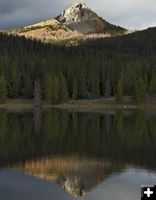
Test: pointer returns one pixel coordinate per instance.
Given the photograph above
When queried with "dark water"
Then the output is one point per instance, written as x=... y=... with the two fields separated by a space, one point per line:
x=102 y=155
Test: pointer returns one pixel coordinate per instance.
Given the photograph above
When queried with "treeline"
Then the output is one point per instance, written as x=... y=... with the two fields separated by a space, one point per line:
x=116 y=66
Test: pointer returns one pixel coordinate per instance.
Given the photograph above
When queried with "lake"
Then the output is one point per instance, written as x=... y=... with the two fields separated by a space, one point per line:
x=69 y=155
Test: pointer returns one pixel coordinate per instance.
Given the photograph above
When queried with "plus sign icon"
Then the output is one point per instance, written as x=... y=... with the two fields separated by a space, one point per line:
x=148 y=192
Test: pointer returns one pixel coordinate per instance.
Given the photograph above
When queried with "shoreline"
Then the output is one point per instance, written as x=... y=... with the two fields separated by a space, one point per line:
x=76 y=106
x=103 y=106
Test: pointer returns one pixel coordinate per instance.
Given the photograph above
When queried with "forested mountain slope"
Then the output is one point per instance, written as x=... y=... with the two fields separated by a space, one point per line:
x=95 y=68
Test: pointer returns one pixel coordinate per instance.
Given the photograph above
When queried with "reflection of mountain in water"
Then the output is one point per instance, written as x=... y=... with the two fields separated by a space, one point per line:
x=116 y=136
x=76 y=175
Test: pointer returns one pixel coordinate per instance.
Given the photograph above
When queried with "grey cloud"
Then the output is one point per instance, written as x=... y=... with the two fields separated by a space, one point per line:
x=134 y=14
x=16 y=13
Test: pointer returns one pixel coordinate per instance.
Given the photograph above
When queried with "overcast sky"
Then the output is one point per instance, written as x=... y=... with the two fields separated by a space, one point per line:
x=132 y=14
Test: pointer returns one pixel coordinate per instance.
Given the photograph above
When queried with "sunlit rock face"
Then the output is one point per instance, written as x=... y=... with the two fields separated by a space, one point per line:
x=75 y=175
x=73 y=185
x=81 y=18
x=76 y=13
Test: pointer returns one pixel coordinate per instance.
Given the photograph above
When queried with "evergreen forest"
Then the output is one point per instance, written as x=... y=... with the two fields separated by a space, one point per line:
x=118 y=66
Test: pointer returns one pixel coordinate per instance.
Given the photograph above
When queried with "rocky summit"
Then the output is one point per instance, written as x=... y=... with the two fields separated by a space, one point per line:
x=81 y=18
x=76 y=13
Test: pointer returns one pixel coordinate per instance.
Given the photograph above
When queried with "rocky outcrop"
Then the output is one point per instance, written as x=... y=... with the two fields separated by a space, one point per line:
x=76 y=13
x=81 y=18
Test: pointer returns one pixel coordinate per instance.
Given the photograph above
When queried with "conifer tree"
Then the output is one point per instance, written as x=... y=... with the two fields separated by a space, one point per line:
x=52 y=89
x=139 y=90
x=48 y=88
x=63 y=89
x=93 y=81
x=153 y=86
x=3 y=89
x=119 y=92
x=82 y=91
x=28 y=88
x=13 y=87
x=37 y=92
x=75 y=89
x=97 y=88
x=55 y=90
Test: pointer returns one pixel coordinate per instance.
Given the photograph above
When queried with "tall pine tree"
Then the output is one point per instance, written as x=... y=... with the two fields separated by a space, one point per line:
x=63 y=89
x=52 y=89
x=13 y=85
x=75 y=89
x=37 y=92
x=153 y=86
x=119 y=92
x=139 y=90
x=28 y=88
x=3 y=89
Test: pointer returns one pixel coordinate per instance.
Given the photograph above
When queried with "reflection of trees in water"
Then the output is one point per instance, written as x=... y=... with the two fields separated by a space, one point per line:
x=37 y=119
x=128 y=137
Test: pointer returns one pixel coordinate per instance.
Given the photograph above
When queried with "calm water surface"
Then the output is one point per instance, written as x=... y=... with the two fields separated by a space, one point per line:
x=63 y=155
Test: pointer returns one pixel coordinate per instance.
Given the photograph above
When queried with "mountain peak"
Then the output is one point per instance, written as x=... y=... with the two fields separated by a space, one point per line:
x=77 y=21
x=74 y=13
x=81 y=18
x=79 y=4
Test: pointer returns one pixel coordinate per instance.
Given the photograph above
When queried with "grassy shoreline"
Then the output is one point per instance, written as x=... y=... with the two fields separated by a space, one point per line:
x=76 y=106
x=102 y=106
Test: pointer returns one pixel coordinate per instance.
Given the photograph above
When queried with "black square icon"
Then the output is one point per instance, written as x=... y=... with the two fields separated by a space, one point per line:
x=148 y=192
